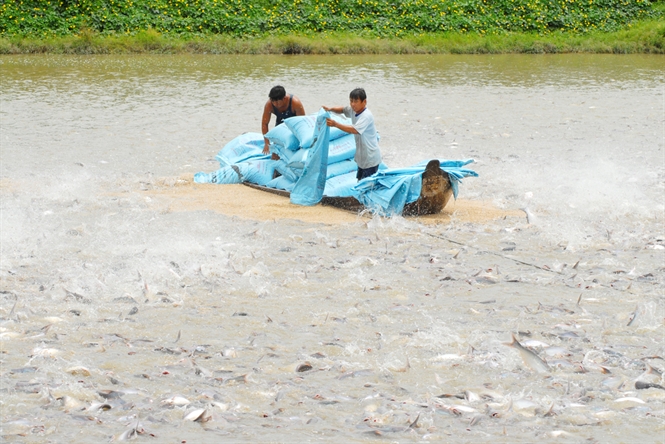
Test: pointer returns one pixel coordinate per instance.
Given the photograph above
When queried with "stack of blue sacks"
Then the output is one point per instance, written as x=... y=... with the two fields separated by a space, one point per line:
x=242 y=159
x=316 y=160
x=292 y=142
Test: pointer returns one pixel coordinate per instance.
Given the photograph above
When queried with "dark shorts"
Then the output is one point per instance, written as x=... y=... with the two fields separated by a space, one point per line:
x=366 y=172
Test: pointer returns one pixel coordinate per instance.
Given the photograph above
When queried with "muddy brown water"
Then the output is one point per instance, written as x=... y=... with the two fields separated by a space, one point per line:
x=134 y=302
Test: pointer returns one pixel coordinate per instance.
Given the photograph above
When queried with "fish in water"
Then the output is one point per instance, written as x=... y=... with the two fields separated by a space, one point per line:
x=641 y=385
x=198 y=415
x=530 y=218
x=132 y=432
x=532 y=360
x=633 y=316
x=176 y=400
x=651 y=378
x=380 y=430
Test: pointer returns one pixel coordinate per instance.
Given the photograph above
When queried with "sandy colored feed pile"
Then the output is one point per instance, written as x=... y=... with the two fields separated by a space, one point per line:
x=239 y=200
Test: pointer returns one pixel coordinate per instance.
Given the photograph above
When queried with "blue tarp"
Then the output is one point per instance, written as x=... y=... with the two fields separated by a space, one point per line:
x=387 y=191
x=309 y=188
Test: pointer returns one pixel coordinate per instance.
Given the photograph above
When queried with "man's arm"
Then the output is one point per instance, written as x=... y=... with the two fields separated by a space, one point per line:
x=265 y=120
x=346 y=128
x=297 y=106
x=330 y=122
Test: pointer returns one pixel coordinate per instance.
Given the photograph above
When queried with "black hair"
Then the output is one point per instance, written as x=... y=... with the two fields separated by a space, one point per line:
x=277 y=93
x=359 y=94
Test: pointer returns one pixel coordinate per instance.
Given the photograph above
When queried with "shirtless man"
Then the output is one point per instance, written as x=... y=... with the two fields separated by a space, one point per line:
x=282 y=105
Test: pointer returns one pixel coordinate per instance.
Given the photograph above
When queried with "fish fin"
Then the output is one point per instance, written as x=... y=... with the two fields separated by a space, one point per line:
x=513 y=341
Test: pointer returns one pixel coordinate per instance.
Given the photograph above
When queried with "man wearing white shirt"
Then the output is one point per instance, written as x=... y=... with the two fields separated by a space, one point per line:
x=368 y=154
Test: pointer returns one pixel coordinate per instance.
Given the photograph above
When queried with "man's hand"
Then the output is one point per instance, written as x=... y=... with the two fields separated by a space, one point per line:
x=346 y=128
x=334 y=109
x=266 y=147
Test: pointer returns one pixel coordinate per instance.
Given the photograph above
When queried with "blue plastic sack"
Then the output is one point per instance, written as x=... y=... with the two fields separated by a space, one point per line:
x=281 y=183
x=225 y=175
x=339 y=168
x=244 y=147
x=282 y=136
x=298 y=159
x=259 y=172
x=255 y=171
x=341 y=186
x=342 y=148
x=284 y=154
x=303 y=127
x=309 y=188
x=283 y=169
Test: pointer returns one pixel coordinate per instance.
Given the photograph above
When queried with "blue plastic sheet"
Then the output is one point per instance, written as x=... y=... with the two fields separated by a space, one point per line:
x=309 y=188
x=387 y=191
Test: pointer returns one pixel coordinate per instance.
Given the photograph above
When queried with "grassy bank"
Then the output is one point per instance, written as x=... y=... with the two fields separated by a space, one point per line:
x=645 y=37
x=332 y=26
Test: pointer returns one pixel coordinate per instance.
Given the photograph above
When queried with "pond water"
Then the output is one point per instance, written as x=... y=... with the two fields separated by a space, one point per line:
x=121 y=316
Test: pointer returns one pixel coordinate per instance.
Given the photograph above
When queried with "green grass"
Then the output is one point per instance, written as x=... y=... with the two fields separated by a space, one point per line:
x=644 y=37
